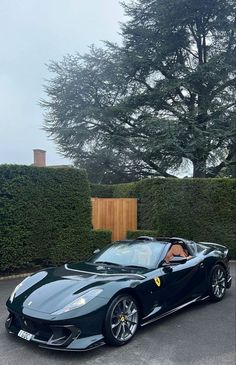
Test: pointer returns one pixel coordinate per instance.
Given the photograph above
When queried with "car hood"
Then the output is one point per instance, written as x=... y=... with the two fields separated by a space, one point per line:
x=50 y=290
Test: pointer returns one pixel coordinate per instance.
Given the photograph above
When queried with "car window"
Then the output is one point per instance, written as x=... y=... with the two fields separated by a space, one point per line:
x=143 y=254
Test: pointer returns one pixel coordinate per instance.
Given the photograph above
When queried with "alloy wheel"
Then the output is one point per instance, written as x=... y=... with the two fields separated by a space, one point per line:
x=124 y=319
x=218 y=284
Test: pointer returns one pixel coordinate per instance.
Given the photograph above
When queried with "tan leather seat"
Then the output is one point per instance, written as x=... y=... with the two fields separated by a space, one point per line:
x=176 y=250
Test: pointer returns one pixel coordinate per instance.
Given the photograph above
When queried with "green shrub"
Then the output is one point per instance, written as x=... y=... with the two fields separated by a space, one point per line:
x=141 y=232
x=113 y=191
x=42 y=209
x=73 y=248
x=100 y=238
x=198 y=209
x=101 y=191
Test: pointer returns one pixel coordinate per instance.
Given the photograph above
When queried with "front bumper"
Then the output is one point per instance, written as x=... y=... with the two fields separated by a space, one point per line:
x=64 y=337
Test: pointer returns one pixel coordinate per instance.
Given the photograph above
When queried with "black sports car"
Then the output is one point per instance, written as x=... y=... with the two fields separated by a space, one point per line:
x=105 y=299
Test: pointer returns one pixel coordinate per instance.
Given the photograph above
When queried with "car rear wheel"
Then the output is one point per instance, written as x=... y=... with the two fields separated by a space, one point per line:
x=122 y=320
x=217 y=283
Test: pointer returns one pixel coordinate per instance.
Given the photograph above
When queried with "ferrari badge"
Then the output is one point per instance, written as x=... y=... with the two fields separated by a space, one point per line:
x=157 y=281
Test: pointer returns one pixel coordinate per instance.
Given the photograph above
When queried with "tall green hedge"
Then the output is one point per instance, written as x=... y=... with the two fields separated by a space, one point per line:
x=73 y=247
x=45 y=216
x=199 y=209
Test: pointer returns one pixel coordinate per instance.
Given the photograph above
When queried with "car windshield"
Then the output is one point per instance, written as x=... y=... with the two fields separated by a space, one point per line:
x=140 y=254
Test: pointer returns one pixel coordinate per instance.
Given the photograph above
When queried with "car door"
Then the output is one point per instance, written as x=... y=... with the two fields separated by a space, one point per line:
x=183 y=282
x=150 y=292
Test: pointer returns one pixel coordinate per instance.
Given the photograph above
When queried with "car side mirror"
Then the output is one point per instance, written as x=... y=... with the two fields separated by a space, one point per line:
x=178 y=260
x=165 y=266
x=96 y=251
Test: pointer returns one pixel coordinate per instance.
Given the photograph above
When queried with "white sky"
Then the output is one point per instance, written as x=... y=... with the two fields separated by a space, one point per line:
x=33 y=32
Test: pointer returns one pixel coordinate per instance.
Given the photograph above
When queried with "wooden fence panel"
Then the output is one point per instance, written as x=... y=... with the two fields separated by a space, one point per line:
x=118 y=215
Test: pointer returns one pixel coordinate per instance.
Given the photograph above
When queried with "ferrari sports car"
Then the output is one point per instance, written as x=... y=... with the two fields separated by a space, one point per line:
x=130 y=283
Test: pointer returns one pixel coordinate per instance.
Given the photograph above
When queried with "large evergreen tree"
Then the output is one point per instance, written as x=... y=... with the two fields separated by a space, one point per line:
x=167 y=95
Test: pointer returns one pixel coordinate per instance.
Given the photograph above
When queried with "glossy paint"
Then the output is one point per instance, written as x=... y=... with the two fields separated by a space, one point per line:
x=158 y=291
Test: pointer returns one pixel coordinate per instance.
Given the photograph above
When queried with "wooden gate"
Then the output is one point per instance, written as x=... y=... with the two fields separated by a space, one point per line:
x=118 y=215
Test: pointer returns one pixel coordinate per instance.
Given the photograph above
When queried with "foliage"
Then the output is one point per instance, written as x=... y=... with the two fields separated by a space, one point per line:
x=113 y=190
x=45 y=216
x=72 y=247
x=141 y=232
x=102 y=190
x=198 y=209
x=166 y=96
x=100 y=238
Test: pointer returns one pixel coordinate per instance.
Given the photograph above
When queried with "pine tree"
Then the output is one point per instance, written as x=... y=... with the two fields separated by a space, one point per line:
x=167 y=95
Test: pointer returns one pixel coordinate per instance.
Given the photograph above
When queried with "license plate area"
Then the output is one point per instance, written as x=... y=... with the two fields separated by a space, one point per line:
x=25 y=335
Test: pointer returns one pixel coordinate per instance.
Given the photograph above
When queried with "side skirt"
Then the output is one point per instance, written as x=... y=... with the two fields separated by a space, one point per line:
x=198 y=299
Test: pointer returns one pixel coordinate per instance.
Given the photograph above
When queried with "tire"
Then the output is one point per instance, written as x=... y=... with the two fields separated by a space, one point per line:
x=122 y=320
x=217 y=286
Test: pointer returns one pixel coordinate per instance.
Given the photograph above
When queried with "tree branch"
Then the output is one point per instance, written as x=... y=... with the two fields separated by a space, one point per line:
x=144 y=83
x=230 y=82
x=229 y=161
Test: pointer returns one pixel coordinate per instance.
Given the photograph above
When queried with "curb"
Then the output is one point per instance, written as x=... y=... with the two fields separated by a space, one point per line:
x=30 y=273
x=15 y=276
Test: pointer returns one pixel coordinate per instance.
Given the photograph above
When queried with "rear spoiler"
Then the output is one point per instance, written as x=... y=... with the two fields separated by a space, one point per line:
x=216 y=246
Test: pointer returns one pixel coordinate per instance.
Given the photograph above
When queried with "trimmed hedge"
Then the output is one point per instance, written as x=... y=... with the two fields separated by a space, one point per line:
x=100 y=238
x=75 y=248
x=45 y=217
x=102 y=191
x=198 y=209
x=131 y=235
x=127 y=190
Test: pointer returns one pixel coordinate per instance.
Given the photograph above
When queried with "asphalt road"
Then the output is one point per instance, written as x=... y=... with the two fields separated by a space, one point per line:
x=203 y=334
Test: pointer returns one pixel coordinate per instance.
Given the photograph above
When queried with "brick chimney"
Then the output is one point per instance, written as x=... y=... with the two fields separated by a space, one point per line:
x=39 y=158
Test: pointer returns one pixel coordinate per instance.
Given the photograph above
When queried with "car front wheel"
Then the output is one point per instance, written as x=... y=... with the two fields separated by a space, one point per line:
x=121 y=320
x=217 y=283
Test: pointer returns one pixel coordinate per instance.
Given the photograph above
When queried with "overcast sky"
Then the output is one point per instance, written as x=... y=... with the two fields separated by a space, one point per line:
x=33 y=32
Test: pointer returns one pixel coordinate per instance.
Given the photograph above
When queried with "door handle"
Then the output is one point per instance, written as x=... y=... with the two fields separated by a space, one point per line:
x=167 y=269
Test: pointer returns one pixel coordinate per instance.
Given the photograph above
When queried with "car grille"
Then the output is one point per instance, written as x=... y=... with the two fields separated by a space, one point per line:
x=54 y=335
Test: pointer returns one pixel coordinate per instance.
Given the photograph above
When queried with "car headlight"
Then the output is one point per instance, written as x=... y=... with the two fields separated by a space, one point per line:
x=80 y=301
x=12 y=296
